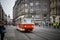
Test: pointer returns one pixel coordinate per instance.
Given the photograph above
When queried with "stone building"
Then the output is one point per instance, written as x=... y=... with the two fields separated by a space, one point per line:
x=38 y=8
x=3 y=16
x=54 y=11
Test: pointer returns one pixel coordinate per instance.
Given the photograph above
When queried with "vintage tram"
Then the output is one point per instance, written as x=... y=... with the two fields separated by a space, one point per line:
x=25 y=23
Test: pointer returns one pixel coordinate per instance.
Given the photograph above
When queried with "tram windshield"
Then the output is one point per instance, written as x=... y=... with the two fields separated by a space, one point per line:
x=28 y=20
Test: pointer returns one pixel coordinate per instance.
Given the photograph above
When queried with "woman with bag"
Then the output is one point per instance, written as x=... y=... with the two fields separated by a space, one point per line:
x=2 y=30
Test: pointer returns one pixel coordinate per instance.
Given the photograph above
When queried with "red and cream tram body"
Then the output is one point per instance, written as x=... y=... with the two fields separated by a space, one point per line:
x=25 y=23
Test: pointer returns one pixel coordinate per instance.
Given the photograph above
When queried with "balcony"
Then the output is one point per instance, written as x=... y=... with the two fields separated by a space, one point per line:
x=51 y=0
x=52 y=5
x=55 y=4
x=58 y=4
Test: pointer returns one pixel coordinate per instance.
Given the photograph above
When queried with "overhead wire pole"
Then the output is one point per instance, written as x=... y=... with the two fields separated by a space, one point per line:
x=49 y=15
x=28 y=13
x=24 y=6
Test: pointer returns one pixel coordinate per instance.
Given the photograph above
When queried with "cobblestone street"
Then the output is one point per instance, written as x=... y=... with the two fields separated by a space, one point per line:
x=38 y=33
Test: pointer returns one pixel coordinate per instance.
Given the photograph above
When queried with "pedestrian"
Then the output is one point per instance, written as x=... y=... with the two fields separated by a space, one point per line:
x=2 y=30
x=39 y=24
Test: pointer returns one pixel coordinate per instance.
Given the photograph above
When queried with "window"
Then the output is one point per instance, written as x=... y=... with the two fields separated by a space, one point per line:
x=37 y=3
x=37 y=9
x=31 y=4
x=45 y=15
x=37 y=16
x=45 y=3
x=31 y=10
x=26 y=10
x=26 y=5
x=27 y=20
x=44 y=9
x=26 y=0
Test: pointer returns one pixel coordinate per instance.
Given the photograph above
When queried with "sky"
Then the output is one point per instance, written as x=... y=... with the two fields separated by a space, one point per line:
x=8 y=7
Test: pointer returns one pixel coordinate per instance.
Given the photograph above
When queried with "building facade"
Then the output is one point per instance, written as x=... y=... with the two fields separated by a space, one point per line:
x=3 y=16
x=8 y=20
x=38 y=8
x=54 y=11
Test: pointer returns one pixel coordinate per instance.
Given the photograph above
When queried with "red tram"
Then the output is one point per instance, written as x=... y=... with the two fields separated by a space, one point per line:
x=25 y=23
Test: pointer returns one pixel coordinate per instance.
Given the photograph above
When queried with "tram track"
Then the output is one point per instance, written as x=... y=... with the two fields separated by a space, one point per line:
x=49 y=33
x=46 y=36
x=52 y=31
x=28 y=37
x=40 y=36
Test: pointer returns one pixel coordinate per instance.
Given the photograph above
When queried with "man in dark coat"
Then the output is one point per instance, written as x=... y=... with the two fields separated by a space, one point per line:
x=1 y=28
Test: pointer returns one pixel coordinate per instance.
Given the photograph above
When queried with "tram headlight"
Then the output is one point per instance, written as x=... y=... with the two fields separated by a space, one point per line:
x=25 y=26
x=31 y=26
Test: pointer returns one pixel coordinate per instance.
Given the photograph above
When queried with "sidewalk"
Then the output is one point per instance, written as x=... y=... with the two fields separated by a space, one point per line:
x=10 y=35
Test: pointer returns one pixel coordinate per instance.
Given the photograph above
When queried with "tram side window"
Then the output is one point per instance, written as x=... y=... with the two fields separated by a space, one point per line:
x=20 y=19
x=32 y=20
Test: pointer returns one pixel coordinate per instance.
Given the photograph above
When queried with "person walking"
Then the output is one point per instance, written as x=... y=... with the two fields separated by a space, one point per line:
x=2 y=30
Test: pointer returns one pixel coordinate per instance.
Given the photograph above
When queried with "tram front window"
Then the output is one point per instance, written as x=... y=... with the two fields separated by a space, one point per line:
x=27 y=20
